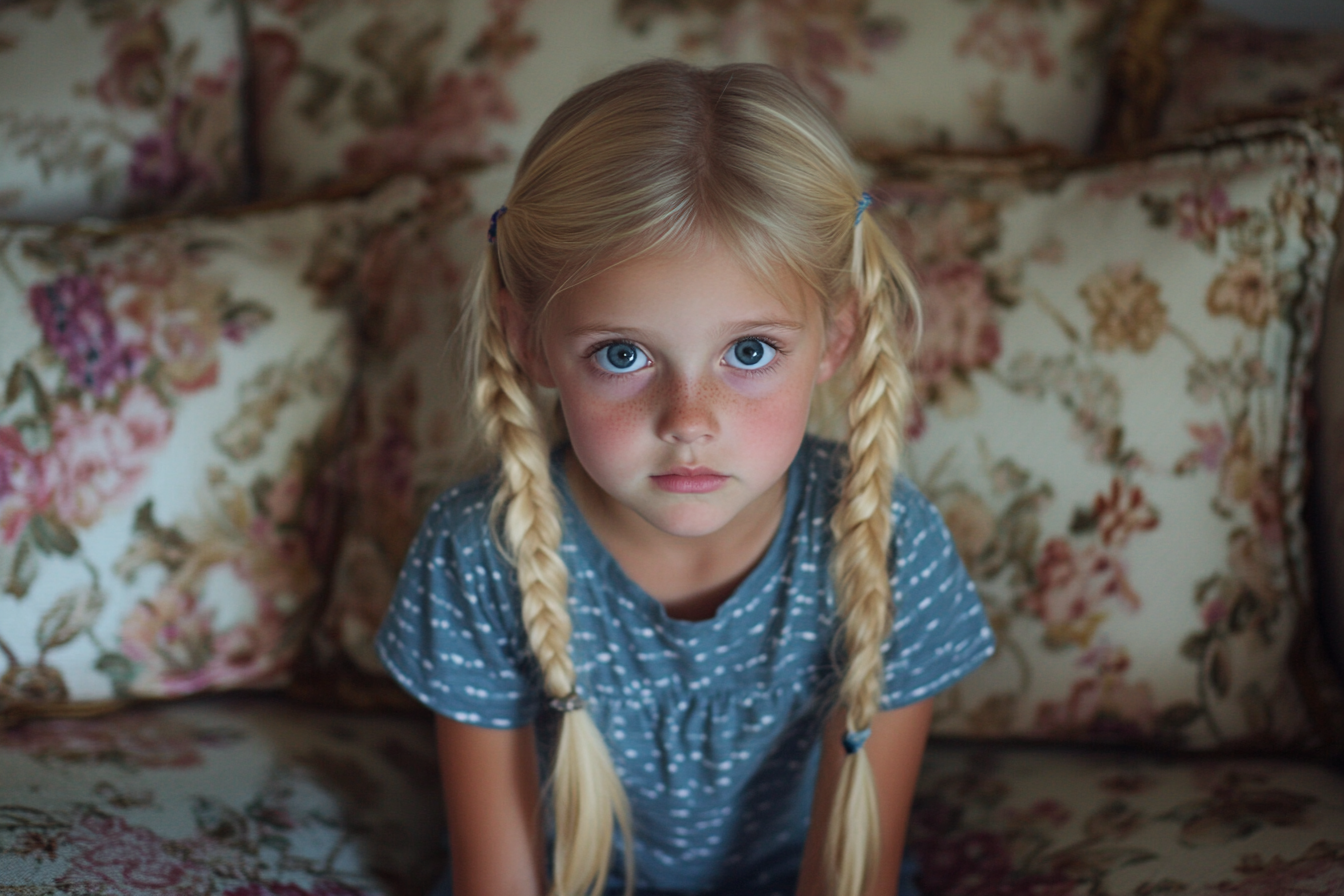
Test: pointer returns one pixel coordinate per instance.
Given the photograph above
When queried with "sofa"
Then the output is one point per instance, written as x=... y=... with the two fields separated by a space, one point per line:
x=231 y=235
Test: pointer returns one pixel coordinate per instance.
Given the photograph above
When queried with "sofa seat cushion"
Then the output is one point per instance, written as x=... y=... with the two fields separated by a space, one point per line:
x=1054 y=821
x=236 y=795
x=250 y=795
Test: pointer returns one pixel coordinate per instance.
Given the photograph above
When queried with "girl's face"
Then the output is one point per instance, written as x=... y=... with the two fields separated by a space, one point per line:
x=685 y=384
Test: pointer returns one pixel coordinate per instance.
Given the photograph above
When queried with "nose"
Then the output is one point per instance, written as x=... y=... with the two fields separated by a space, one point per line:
x=688 y=413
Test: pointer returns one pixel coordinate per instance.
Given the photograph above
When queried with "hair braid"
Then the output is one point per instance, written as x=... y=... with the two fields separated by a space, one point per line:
x=861 y=528
x=586 y=792
x=526 y=498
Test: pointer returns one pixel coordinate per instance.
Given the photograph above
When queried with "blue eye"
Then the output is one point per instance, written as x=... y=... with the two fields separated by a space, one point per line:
x=750 y=354
x=620 y=357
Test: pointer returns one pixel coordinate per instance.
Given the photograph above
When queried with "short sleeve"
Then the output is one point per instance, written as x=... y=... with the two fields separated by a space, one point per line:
x=940 y=632
x=453 y=636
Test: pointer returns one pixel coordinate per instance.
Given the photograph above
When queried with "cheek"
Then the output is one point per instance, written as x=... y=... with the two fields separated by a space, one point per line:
x=773 y=422
x=600 y=429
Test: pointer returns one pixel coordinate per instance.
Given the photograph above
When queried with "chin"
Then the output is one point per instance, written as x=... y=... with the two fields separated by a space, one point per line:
x=688 y=522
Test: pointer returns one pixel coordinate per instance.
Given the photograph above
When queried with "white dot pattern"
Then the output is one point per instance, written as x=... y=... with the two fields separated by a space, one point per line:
x=713 y=725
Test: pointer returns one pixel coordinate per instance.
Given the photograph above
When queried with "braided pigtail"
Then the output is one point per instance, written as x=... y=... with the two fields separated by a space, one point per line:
x=861 y=528
x=585 y=790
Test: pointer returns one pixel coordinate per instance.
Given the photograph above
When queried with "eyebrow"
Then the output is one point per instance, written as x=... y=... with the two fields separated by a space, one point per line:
x=740 y=326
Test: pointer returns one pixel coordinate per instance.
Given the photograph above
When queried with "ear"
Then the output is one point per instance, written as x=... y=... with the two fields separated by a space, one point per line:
x=839 y=337
x=521 y=344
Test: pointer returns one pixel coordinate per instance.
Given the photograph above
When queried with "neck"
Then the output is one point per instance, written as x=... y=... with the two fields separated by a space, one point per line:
x=690 y=576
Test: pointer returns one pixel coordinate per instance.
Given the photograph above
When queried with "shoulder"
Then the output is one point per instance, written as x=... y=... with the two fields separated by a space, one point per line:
x=941 y=632
x=911 y=511
x=453 y=635
x=458 y=518
x=921 y=548
x=924 y=555
x=464 y=505
x=454 y=565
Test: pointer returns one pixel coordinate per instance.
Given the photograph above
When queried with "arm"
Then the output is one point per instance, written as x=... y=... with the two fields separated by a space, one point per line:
x=895 y=750
x=491 y=795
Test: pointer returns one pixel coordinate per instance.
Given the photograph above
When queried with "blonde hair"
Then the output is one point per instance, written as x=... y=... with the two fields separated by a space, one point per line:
x=645 y=160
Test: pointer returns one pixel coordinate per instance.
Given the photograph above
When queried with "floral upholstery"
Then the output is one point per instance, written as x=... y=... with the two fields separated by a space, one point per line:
x=244 y=796
x=1113 y=370
x=171 y=395
x=1225 y=67
x=1035 y=821
x=218 y=434
x=363 y=90
x=125 y=108
x=241 y=796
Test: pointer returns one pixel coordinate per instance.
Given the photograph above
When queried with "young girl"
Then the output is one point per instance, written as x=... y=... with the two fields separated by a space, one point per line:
x=690 y=620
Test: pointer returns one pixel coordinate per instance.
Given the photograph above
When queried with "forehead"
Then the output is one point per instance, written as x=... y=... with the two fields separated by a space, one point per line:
x=704 y=283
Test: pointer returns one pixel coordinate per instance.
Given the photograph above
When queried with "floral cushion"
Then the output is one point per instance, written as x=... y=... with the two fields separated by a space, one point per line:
x=363 y=90
x=1039 y=821
x=118 y=108
x=1112 y=372
x=171 y=393
x=245 y=796
x=226 y=796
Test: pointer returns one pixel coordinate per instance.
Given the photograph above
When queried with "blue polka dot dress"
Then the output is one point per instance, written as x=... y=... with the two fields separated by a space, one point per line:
x=713 y=725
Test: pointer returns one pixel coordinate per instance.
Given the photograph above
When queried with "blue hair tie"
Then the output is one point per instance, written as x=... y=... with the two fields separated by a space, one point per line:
x=494 y=221
x=854 y=740
x=571 y=702
x=864 y=201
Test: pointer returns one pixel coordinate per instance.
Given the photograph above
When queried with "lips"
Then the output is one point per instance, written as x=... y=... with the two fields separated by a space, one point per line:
x=689 y=480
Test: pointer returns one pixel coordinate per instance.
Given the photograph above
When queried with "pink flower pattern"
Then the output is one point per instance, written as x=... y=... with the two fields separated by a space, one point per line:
x=1121 y=512
x=1010 y=36
x=98 y=457
x=178 y=650
x=1071 y=585
x=194 y=154
x=960 y=334
x=135 y=77
x=115 y=858
x=1200 y=214
x=158 y=165
x=25 y=487
x=450 y=130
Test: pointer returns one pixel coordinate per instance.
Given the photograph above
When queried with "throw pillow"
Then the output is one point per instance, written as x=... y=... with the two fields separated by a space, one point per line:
x=1113 y=369
x=172 y=391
